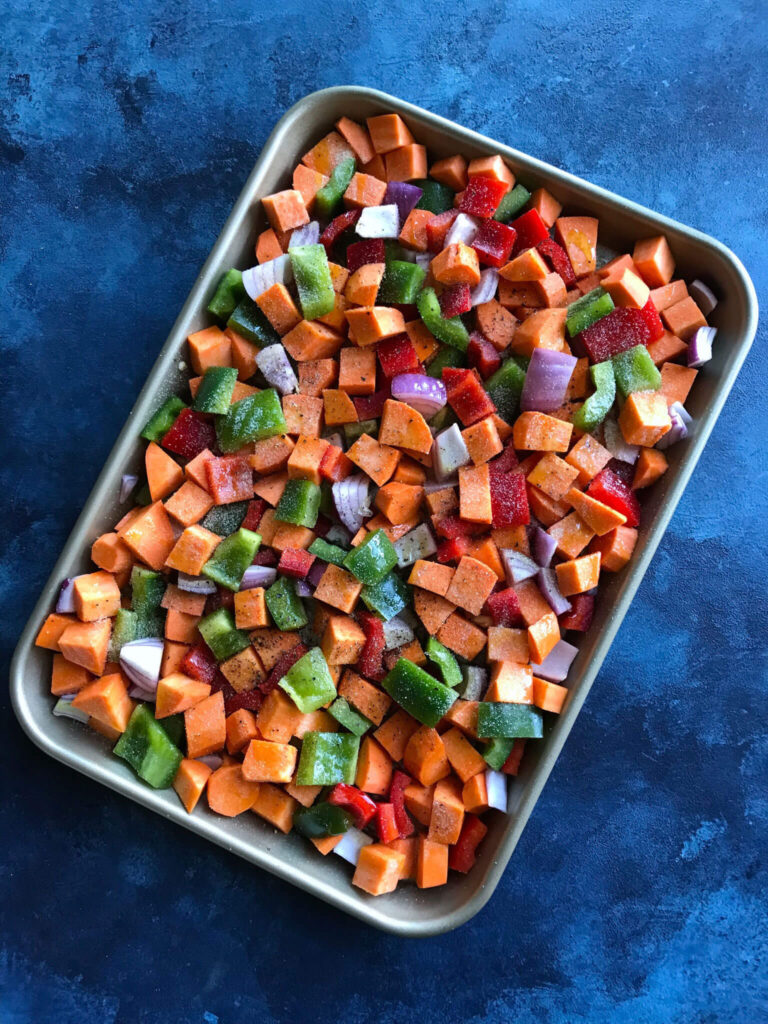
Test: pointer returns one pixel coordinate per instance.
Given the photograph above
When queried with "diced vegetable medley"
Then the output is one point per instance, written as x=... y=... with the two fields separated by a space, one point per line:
x=347 y=591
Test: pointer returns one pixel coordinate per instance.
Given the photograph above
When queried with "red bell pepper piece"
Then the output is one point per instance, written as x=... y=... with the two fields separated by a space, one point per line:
x=453 y=526
x=370 y=407
x=335 y=465
x=386 y=826
x=251 y=700
x=530 y=229
x=199 y=663
x=358 y=803
x=455 y=299
x=338 y=226
x=397 y=787
x=505 y=462
x=482 y=355
x=512 y=765
x=438 y=228
x=452 y=550
x=609 y=488
x=580 y=615
x=370 y=250
x=466 y=395
x=284 y=663
x=509 y=500
x=295 y=562
x=504 y=607
x=494 y=243
x=482 y=196
x=462 y=856
x=652 y=320
x=256 y=509
x=230 y=478
x=371 y=661
x=557 y=259
x=397 y=355
x=621 y=329
x=190 y=434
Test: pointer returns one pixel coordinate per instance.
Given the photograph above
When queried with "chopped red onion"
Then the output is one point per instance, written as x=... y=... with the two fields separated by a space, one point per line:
x=700 y=346
x=350 y=497
x=703 y=296
x=338 y=534
x=417 y=543
x=307 y=234
x=140 y=660
x=404 y=195
x=63 y=709
x=353 y=840
x=139 y=693
x=316 y=571
x=613 y=439
x=423 y=259
x=335 y=439
x=303 y=588
x=496 y=786
x=258 y=576
x=486 y=289
x=396 y=633
x=681 y=420
x=276 y=367
x=555 y=666
x=65 y=603
x=517 y=566
x=256 y=280
x=426 y=395
x=449 y=452
x=475 y=682
x=214 y=761
x=378 y=222
x=546 y=380
x=195 y=584
x=463 y=229
x=544 y=547
x=127 y=485
x=547 y=581
x=430 y=486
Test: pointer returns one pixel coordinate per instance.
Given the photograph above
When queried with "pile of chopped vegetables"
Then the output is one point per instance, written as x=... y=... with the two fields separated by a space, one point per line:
x=348 y=589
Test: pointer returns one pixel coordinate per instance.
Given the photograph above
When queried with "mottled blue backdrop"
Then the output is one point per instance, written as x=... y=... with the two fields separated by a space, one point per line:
x=638 y=891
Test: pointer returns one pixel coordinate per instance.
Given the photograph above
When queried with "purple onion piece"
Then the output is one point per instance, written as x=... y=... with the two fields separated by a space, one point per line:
x=557 y=663
x=449 y=452
x=616 y=445
x=257 y=279
x=141 y=660
x=213 y=761
x=430 y=486
x=127 y=485
x=303 y=588
x=546 y=380
x=258 y=576
x=138 y=693
x=547 y=580
x=486 y=289
x=276 y=367
x=463 y=229
x=65 y=603
x=350 y=497
x=404 y=195
x=426 y=395
x=517 y=566
x=315 y=574
x=195 y=584
x=307 y=234
x=681 y=420
x=544 y=547
x=700 y=346
x=703 y=296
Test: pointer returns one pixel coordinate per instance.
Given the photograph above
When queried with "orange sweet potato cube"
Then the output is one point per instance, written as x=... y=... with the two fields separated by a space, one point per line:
x=461 y=637
x=378 y=461
x=378 y=869
x=338 y=408
x=471 y=585
x=456 y=264
x=364 y=190
x=338 y=588
x=357 y=138
x=342 y=640
x=209 y=347
x=414 y=230
x=507 y=644
x=578 y=236
x=644 y=418
x=363 y=286
x=278 y=307
x=388 y=132
x=475 y=494
x=615 y=548
x=482 y=440
x=268 y=245
x=369 y=324
x=96 y=595
x=309 y=183
x=627 y=289
x=684 y=318
x=571 y=534
x=654 y=261
x=537 y=432
x=357 y=370
x=406 y=163
x=327 y=153
x=251 y=609
x=651 y=464
x=553 y=475
x=543 y=636
x=545 y=204
x=303 y=415
x=192 y=550
x=511 y=683
x=451 y=171
x=285 y=210
x=579 y=574
x=600 y=518
x=528 y=266
x=310 y=340
x=588 y=456
x=107 y=701
x=676 y=382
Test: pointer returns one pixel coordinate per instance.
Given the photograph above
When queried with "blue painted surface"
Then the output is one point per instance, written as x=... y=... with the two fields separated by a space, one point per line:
x=637 y=893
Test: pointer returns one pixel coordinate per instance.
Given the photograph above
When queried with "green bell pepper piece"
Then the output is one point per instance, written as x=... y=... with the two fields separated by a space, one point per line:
x=598 y=405
x=447 y=356
x=329 y=196
x=450 y=331
x=215 y=391
x=147 y=590
x=418 y=693
x=504 y=388
x=254 y=418
x=587 y=310
x=174 y=727
x=346 y=715
x=148 y=749
x=225 y=519
x=162 y=419
x=373 y=559
x=445 y=661
x=141 y=495
x=401 y=283
x=285 y=606
x=231 y=558
x=229 y=292
x=249 y=321
x=308 y=682
x=436 y=197
x=511 y=204
x=124 y=631
x=327 y=758
x=313 y=280
x=299 y=503
x=386 y=598
x=496 y=752
x=327 y=552
x=635 y=371
x=510 y=721
x=222 y=636
x=352 y=431
x=321 y=820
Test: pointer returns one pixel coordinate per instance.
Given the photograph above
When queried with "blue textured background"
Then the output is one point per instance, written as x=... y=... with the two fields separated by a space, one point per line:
x=638 y=891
